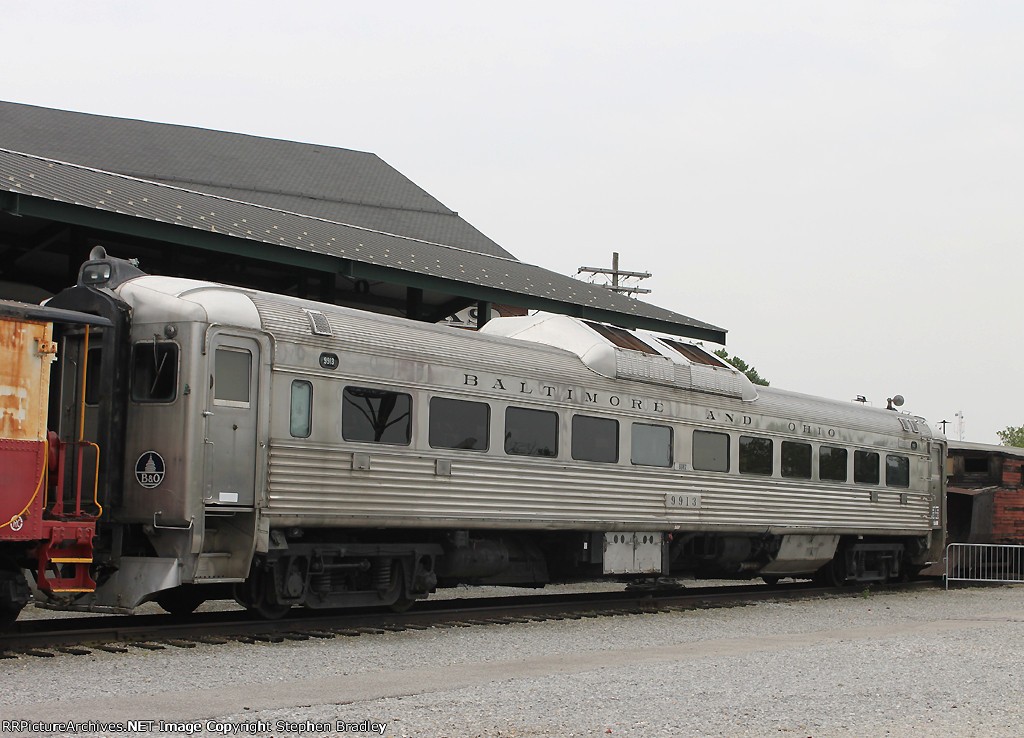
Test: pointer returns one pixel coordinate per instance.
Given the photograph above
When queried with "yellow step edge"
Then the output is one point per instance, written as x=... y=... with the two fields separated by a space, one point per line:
x=71 y=561
x=73 y=590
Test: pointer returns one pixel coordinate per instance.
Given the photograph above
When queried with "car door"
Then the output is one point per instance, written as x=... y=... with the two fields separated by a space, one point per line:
x=232 y=420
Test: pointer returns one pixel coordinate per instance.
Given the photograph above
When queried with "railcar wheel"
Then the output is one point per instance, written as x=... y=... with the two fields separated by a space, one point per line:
x=770 y=579
x=401 y=604
x=14 y=595
x=181 y=600
x=833 y=574
x=270 y=610
x=398 y=590
x=8 y=614
x=255 y=594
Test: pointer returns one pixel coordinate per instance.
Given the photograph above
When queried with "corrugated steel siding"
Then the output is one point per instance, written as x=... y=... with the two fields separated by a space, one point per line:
x=317 y=484
x=313 y=483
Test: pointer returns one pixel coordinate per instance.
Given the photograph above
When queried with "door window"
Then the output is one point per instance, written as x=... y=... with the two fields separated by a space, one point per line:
x=232 y=372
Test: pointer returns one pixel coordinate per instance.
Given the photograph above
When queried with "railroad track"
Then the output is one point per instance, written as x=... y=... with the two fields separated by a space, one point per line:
x=122 y=633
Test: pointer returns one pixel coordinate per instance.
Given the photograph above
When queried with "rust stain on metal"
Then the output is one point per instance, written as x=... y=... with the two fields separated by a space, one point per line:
x=24 y=379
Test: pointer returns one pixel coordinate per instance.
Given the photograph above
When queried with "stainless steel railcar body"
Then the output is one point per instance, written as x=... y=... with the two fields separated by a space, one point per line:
x=247 y=457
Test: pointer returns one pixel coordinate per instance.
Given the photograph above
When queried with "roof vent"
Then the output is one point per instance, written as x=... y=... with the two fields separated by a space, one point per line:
x=621 y=338
x=694 y=354
x=319 y=323
x=909 y=425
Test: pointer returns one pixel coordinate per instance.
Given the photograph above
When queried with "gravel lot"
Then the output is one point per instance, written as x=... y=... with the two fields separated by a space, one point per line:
x=931 y=663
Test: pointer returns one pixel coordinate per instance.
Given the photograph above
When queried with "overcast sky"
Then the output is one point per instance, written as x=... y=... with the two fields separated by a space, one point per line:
x=840 y=185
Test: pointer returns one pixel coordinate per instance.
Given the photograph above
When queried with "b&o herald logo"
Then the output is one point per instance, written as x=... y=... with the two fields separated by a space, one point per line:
x=149 y=469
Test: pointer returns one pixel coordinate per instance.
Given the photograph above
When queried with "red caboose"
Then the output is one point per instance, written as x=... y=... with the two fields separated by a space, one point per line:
x=48 y=488
x=986 y=494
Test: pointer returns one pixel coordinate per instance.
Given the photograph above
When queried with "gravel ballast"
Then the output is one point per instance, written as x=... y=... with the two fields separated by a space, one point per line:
x=914 y=664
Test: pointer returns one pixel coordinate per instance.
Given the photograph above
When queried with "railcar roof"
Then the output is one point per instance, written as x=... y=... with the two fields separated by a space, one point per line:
x=246 y=307
x=988 y=448
x=230 y=305
x=845 y=411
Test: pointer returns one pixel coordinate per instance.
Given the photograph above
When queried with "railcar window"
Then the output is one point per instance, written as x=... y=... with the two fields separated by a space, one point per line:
x=531 y=432
x=971 y=465
x=232 y=371
x=865 y=467
x=92 y=376
x=459 y=424
x=897 y=471
x=376 y=416
x=796 y=460
x=832 y=464
x=595 y=439
x=301 y=409
x=651 y=445
x=710 y=451
x=154 y=371
x=755 y=455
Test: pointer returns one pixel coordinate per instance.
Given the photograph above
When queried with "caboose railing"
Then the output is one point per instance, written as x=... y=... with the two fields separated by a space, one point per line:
x=984 y=562
x=65 y=552
x=63 y=498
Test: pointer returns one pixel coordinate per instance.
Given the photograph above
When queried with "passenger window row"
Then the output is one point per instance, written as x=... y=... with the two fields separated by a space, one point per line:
x=383 y=416
x=711 y=453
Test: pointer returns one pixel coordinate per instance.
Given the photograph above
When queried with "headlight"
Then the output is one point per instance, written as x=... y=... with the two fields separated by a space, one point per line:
x=94 y=274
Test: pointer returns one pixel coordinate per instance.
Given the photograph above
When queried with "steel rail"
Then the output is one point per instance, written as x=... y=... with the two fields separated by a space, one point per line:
x=50 y=636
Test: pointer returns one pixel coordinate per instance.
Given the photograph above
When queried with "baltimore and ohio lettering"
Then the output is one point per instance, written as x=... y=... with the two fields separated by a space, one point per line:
x=562 y=394
x=558 y=393
x=741 y=419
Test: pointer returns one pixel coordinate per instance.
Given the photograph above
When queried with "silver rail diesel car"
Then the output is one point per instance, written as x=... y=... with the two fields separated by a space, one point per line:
x=286 y=452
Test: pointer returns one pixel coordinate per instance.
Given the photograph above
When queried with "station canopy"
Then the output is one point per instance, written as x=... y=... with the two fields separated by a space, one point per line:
x=314 y=221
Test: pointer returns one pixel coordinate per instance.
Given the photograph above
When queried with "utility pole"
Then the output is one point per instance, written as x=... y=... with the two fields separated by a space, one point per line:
x=618 y=277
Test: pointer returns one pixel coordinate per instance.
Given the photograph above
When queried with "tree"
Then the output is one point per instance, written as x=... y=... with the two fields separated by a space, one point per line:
x=1012 y=436
x=740 y=364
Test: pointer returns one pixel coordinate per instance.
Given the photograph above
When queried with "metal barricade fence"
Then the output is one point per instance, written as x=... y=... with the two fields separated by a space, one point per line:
x=984 y=562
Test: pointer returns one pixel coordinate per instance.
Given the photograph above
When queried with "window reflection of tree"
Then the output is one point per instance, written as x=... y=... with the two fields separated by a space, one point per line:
x=377 y=407
x=865 y=467
x=796 y=460
x=755 y=455
x=458 y=424
x=530 y=433
x=897 y=471
x=832 y=463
